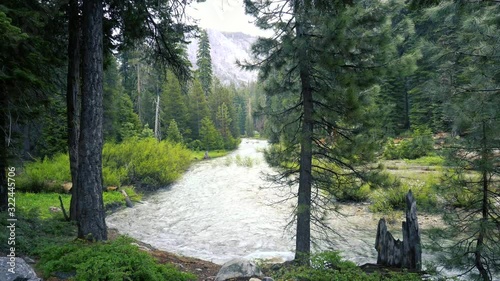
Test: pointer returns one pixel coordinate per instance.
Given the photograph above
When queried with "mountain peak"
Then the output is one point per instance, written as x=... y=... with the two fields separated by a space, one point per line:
x=226 y=49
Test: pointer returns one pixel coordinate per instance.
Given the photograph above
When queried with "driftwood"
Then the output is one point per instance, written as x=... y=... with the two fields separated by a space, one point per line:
x=406 y=253
x=128 y=202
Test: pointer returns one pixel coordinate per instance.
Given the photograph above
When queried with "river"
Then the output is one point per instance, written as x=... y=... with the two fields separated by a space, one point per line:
x=225 y=208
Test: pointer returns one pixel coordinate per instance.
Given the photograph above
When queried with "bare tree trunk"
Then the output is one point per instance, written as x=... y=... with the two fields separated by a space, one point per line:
x=478 y=253
x=303 y=237
x=90 y=207
x=139 y=105
x=157 y=118
x=72 y=98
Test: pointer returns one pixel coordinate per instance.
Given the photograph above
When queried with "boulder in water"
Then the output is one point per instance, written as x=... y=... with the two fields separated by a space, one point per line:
x=238 y=268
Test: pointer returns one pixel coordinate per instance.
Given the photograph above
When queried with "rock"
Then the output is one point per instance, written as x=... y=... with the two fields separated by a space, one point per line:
x=111 y=188
x=268 y=279
x=254 y=279
x=67 y=186
x=16 y=269
x=54 y=209
x=238 y=268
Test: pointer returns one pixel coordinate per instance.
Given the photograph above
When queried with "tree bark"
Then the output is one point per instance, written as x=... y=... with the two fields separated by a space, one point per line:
x=90 y=207
x=303 y=237
x=72 y=98
x=478 y=253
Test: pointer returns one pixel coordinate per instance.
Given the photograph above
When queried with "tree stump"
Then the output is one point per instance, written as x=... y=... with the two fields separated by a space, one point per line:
x=406 y=253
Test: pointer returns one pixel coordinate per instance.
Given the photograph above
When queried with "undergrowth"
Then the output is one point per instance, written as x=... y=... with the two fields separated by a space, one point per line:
x=117 y=260
x=329 y=266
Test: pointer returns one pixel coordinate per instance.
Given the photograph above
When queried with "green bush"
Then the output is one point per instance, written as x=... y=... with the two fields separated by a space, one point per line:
x=352 y=193
x=393 y=198
x=112 y=261
x=418 y=145
x=145 y=161
x=45 y=175
x=141 y=161
x=427 y=161
x=329 y=266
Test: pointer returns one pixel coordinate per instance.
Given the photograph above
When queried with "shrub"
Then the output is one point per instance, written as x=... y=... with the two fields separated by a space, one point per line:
x=45 y=175
x=418 y=145
x=146 y=162
x=329 y=266
x=112 y=261
x=393 y=198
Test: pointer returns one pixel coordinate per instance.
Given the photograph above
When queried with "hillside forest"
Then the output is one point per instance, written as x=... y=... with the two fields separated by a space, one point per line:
x=100 y=95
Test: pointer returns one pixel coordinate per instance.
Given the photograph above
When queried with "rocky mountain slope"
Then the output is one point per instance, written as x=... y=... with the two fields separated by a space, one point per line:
x=226 y=48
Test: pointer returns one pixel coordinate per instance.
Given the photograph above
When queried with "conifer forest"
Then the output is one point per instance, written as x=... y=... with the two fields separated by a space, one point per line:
x=140 y=143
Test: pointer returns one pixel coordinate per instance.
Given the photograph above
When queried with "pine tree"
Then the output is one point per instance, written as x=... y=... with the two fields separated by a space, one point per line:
x=204 y=62
x=469 y=60
x=31 y=57
x=173 y=133
x=173 y=105
x=89 y=202
x=209 y=136
x=198 y=108
x=323 y=62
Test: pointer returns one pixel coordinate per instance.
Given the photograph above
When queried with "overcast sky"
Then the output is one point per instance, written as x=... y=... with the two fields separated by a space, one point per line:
x=224 y=15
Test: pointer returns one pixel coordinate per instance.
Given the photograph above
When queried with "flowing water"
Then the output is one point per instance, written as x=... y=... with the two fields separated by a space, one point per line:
x=224 y=208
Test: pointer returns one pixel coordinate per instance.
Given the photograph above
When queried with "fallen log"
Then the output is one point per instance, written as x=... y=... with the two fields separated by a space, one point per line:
x=128 y=202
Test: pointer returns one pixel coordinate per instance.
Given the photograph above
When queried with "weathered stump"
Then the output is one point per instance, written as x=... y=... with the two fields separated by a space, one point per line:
x=406 y=253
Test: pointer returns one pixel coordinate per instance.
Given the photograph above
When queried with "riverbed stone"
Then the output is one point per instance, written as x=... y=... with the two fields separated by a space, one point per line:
x=22 y=271
x=239 y=268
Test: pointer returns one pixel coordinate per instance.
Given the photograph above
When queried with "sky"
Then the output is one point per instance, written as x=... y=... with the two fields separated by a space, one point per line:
x=224 y=15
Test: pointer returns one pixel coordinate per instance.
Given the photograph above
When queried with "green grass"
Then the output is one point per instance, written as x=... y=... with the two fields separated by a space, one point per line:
x=42 y=203
x=329 y=266
x=426 y=161
x=198 y=155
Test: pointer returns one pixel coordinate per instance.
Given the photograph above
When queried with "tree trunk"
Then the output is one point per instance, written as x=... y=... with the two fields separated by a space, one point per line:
x=72 y=95
x=90 y=207
x=303 y=237
x=157 y=118
x=478 y=253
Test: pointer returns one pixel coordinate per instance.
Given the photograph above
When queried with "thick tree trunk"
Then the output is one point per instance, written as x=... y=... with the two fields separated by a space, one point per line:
x=72 y=98
x=90 y=207
x=303 y=237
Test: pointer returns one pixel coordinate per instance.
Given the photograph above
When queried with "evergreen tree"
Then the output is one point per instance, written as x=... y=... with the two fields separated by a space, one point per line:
x=173 y=105
x=173 y=133
x=31 y=54
x=90 y=211
x=209 y=136
x=469 y=60
x=198 y=108
x=323 y=62
x=204 y=62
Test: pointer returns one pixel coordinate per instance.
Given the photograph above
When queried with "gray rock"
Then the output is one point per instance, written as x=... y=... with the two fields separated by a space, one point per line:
x=239 y=268
x=268 y=279
x=16 y=269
